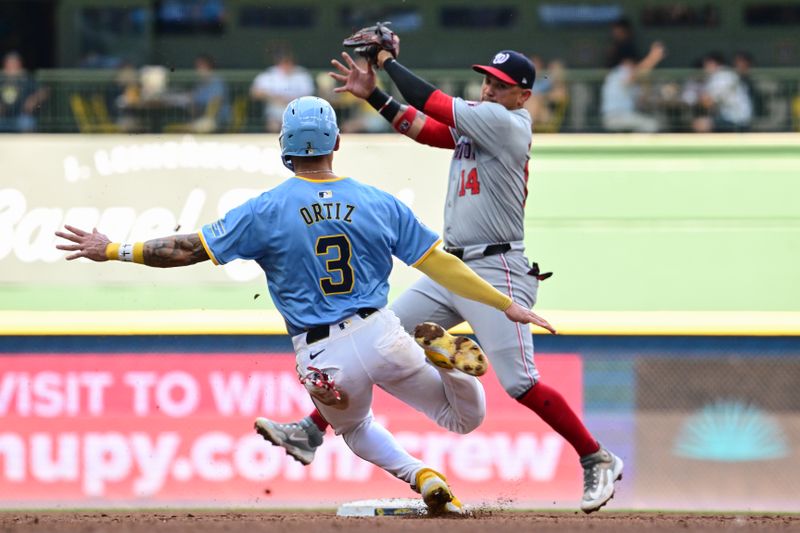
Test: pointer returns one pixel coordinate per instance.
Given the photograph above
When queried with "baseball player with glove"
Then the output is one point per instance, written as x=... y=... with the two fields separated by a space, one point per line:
x=326 y=245
x=483 y=226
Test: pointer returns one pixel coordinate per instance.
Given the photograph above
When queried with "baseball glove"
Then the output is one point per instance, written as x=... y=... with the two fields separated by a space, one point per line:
x=367 y=42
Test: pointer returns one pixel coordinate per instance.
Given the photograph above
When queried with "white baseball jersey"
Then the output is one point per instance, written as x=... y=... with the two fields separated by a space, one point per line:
x=488 y=182
x=485 y=205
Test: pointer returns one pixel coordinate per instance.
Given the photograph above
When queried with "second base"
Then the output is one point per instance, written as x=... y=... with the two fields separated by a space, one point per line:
x=383 y=507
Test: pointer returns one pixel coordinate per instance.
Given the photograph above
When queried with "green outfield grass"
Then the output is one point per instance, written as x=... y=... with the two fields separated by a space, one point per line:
x=625 y=223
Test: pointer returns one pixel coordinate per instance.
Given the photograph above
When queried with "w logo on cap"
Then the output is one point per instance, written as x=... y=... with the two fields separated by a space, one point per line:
x=500 y=58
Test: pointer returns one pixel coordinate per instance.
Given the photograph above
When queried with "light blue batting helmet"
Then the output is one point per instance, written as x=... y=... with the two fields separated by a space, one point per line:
x=309 y=129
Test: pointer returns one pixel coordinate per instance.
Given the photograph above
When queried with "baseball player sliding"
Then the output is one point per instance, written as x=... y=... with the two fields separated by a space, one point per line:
x=483 y=226
x=326 y=245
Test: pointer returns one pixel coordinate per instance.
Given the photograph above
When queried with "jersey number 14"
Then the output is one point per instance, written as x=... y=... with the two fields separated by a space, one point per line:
x=471 y=183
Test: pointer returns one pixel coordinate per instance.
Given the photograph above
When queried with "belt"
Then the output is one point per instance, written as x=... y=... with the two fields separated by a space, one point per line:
x=317 y=333
x=492 y=249
x=501 y=248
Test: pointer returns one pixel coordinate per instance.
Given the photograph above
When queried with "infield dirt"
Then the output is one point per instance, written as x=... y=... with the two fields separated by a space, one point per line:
x=326 y=521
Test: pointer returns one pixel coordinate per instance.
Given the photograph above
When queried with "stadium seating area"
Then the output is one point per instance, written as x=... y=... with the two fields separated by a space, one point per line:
x=88 y=101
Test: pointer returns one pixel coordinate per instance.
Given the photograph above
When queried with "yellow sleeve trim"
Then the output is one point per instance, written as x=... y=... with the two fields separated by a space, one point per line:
x=451 y=273
x=426 y=254
x=138 y=253
x=207 y=249
x=112 y=251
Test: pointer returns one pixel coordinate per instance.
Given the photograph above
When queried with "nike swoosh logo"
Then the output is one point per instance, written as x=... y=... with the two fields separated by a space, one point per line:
x=296 y=440
x=596 y=493
x=312 y=355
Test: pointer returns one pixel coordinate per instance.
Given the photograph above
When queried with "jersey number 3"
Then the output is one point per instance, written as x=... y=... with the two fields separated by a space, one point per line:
x=470 y=183
x=339 y=265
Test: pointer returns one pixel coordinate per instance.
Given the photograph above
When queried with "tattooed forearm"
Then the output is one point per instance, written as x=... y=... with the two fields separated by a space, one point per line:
x=174 y=251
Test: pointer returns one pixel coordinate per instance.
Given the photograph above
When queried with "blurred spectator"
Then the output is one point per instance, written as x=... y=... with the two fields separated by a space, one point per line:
x=693 y=87
x=621 y=94
x=796 y=111
x=622 y=43
x=20 y=96
x=549 y=96
x=121 y=95
x=126 y=88
x=209 y=103
x=154 y=80
x=724 y=97
x=279 y=85
x=742 y=63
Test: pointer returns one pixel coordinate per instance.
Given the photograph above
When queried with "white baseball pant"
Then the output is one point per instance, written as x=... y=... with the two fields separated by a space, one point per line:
x=360 y=353
x=508 y=345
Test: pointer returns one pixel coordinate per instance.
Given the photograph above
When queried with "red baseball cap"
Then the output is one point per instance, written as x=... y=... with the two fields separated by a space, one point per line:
x=510 y=67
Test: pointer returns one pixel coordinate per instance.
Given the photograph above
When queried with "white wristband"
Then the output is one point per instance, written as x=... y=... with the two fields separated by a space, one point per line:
x=126 y=252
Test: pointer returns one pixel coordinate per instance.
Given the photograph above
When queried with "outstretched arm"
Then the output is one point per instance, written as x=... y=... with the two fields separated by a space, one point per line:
x=360 y=82
x=653 y=57
x=450 y=272
x=165 y=252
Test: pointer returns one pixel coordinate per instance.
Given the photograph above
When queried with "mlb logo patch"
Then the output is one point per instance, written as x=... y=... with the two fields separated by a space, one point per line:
x=325 y=194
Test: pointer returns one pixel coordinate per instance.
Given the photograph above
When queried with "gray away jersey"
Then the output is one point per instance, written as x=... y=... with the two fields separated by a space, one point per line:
x=488 y=182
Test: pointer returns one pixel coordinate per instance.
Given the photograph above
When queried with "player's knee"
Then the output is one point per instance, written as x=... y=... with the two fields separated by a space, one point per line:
x=468 y=424
x=473 y=424
x=352 y=429
x=515 y=380
x=517 y=388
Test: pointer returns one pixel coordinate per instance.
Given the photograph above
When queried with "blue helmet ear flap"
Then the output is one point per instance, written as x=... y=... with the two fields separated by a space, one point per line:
x=309 y=129
x=287 y=162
